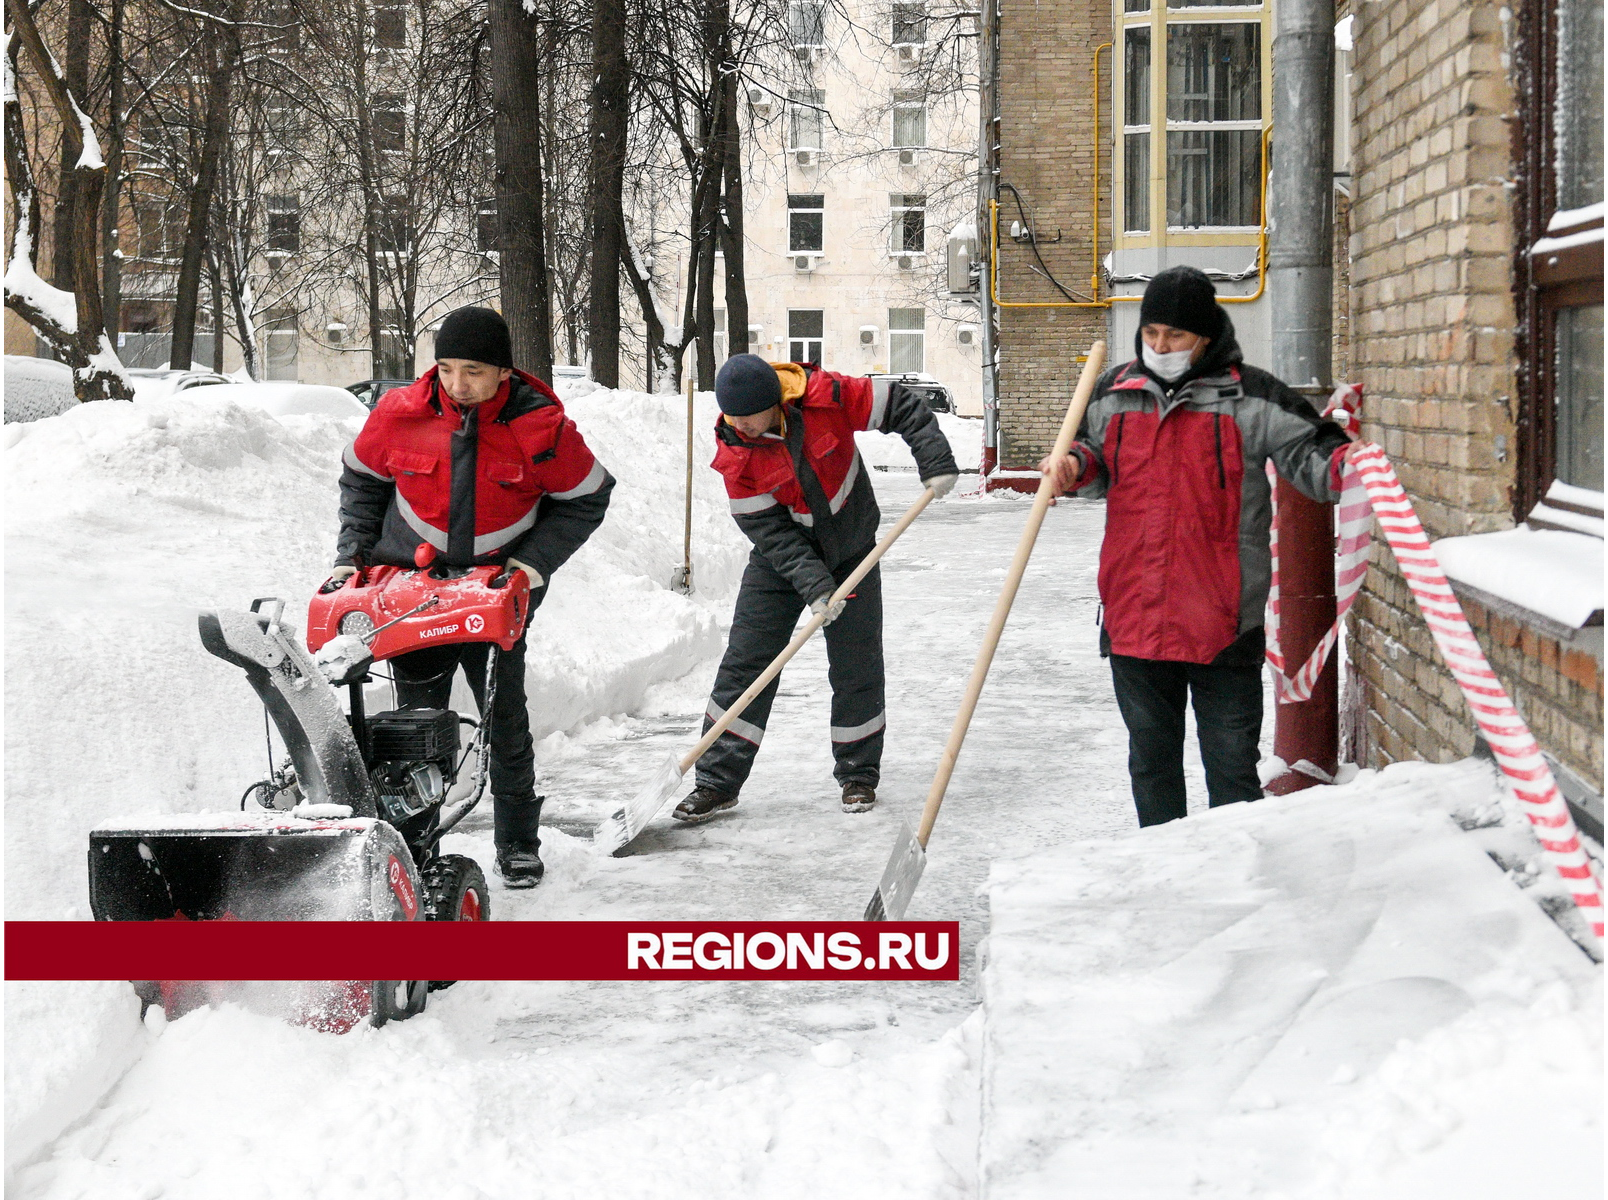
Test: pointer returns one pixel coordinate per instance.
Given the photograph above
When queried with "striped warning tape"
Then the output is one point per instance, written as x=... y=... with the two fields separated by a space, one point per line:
x=1509 y=737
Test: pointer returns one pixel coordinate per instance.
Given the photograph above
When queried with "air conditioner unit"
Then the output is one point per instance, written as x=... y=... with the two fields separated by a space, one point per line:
x=759 y=100
x=906 y=261
x=756 y=337
x=966 y=335
x=911 y=52
x=806 y=54
x=806 y=158
x=868 y=335
x=804 y=262
x=907 y=158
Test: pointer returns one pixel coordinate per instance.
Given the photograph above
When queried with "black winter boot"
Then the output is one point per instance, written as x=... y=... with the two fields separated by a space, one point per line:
x=702 y=805
x=857 y=797
x=520 y=864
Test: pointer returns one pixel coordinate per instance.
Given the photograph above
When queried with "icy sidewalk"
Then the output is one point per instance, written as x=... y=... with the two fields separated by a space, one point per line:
x=1336 y=993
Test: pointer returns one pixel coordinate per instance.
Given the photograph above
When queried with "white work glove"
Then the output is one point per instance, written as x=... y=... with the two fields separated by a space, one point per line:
x=531 y=573
x=341 y=574
x=941 y=485
x=817 y=607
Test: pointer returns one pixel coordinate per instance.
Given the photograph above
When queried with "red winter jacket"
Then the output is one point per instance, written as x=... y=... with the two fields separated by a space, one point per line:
x=802 y=495
x=510 y=478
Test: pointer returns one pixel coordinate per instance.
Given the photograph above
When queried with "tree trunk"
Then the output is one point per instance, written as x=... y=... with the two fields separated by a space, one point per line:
x=516 y=72
x=111 y=213
x=731 y=223
x=654 y=363
x=75 y=64
x=216 y=279
x=609 y=119
x=221 y=55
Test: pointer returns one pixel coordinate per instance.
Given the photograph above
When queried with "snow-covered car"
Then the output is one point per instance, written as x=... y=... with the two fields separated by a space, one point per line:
x=369 y=391
x=37 y=388
x=151 y=382
x=935 y=394
x=290 y=399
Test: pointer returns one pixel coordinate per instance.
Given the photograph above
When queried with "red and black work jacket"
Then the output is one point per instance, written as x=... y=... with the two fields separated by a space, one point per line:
x=802 y=494
x=1186 y=560
x=510 y=478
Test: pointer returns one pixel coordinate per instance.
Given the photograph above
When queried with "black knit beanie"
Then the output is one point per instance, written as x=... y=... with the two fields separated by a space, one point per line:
x=478 y=334
x=1185 y=299
x=746 y=384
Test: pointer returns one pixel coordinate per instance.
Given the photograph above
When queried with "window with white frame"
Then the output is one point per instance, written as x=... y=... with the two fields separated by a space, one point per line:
x=487 y=231
x=721 y=354
x=394 y=235
x=281 y=122
x=908 y=211
x=161 y=230
x=910 y=24
x=396 y=354
x=805 y=110
x=390 y=25
x=390 y=120
x=1214 y=124
x=282 y=25
x=284 y=224
x=806 y=333
x=1136 y=129
x=806 y=22
x=806 y=221
x=909 y=119
x=907 y=340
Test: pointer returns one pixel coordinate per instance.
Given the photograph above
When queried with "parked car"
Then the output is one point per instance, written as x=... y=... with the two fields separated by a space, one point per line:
x=292 y=399
x=37 y=388
x=936 y=395
x=370 y=390
x=153 y=382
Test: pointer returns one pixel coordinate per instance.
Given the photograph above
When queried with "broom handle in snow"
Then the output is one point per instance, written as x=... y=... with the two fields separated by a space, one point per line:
x=804 y=634
x=1007 y=595
x=687 y=544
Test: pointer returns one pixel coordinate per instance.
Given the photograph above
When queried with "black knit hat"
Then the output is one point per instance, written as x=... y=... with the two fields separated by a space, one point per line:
x=1185 y=299
x=478 y=334
x=746 y=384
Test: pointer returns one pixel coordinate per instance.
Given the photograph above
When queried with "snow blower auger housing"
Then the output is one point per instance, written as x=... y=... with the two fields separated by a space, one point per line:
x=348 y=826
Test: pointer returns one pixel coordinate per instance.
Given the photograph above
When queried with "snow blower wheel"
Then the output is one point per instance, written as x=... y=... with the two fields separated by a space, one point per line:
x=454 y=890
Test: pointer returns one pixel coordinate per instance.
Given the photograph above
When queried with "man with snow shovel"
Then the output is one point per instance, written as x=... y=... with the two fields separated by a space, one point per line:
x=474 y=464
x=1177 y=441
x=800 y=491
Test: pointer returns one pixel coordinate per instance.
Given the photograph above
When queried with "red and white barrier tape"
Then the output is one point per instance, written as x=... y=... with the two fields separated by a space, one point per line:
x=1509 y=737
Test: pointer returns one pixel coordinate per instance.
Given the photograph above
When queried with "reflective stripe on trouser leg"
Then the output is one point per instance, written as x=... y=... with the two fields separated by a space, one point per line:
x=854 y=666
x=761 y=626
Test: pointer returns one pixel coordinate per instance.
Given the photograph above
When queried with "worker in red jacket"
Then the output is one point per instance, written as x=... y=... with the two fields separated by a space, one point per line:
x=474 y=464
x=801 y=493
x=1177 y=442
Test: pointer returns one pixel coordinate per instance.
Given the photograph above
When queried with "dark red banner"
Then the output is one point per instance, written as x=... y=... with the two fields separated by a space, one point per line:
x=581 y=950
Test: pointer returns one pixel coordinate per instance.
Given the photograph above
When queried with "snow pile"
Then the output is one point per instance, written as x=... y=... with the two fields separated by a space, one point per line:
x=1547 y=571
x=889 y=452
x=37 y=388
x=1332 y=994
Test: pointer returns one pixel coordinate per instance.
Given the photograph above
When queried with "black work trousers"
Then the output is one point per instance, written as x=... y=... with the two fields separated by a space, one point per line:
x=1227 y=696
x=424 y=680
x=768 y=608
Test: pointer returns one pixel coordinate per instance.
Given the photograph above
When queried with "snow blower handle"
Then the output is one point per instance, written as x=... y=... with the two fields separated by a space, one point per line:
x=1007 y=596
x=803 y=635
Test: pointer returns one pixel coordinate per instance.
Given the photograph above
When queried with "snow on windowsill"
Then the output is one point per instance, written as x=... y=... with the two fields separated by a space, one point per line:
x=1555 y=574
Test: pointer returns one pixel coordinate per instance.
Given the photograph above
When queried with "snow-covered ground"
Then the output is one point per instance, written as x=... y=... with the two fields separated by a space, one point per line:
x=122 y=520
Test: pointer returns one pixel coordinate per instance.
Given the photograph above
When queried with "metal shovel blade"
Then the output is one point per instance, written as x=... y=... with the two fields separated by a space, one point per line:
x=621 y=827
x=899 y=878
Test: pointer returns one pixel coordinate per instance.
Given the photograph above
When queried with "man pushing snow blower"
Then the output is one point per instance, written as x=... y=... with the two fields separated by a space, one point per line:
x=474 y=464
x=799 y=490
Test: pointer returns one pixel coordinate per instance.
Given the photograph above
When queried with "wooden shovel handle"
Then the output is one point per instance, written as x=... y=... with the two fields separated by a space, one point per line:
x=804 y=634
x=1007 y=595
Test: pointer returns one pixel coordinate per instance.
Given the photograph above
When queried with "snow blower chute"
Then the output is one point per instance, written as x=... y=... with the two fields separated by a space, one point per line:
x=349 y=825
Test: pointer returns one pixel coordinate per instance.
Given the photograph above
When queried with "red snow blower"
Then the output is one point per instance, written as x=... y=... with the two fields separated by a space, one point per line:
x=348 y=826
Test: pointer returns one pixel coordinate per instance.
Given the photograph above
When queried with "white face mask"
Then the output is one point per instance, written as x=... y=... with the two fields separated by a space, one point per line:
x=1168 y=366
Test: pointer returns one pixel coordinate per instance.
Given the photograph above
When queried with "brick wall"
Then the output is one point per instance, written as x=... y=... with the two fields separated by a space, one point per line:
x=1047 y=150
x=1431 y=340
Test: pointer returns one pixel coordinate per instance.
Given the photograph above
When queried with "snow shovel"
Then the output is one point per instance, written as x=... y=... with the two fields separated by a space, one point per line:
x=620 y=828
x=681 y=580
x=909 y=857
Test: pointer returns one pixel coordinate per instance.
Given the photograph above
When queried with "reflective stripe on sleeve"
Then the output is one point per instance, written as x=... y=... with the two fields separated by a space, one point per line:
x=485 y=543
x=880 y=388
x=848 y=484
x=349 y=458
x=594 y=480
x=752 y=504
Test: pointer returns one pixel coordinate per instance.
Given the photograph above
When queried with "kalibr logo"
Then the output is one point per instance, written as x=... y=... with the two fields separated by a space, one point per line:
x=474 y=622
x=402 y=886
x=437 y=631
